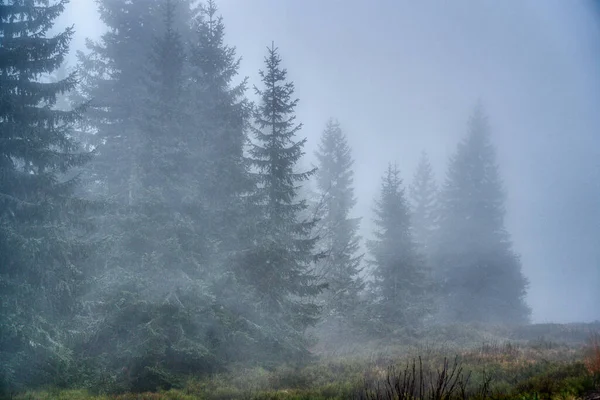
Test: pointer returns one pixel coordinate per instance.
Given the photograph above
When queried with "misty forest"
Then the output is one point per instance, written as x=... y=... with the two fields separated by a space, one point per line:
x=164 y=233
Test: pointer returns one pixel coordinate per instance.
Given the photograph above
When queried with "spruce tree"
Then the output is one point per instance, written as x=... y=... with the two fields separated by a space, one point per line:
x=62 y=100
x=277 y=264
x=222 y=116
x=481 y=274
x=401 y=280
x=41 y=246
x=163 y=122
x=114 y=78
x=172 y=228
x=337 y=230
x=423 y=195
x=154 y=285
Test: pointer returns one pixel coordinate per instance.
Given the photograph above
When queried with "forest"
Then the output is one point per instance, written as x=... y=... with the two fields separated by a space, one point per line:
x=160 y=235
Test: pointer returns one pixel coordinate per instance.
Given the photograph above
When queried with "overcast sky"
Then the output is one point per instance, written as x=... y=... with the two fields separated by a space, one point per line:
x=402 y=76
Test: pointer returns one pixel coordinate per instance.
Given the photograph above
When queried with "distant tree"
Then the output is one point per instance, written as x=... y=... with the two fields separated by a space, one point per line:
x=401 y=279
x=481 y=273
x=278 y=262
x=41 y=238
x=338 y=231
x=423 y=195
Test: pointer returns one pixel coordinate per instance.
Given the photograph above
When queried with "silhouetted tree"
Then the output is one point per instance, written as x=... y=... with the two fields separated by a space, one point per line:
x=423 y=195
x=222 y=116
x=113 y=76
x=480 y=272
x=401 y=279
x=153 y=279
x=41 y=242
x=278 y=262
x=337 y=230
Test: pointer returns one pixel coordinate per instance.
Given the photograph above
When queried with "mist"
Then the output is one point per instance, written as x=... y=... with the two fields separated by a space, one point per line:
x=401 y=77
x=282 y=199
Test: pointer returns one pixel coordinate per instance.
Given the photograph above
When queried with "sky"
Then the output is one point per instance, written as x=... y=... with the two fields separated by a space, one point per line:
x=403 y=76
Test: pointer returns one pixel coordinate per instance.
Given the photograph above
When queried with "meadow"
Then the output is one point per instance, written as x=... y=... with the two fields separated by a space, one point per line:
x=540 y=361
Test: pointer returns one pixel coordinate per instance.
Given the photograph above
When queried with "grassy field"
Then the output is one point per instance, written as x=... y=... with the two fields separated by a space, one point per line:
x=534 y=362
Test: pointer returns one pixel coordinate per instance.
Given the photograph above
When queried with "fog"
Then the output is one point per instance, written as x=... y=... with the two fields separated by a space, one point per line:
x=402 y=77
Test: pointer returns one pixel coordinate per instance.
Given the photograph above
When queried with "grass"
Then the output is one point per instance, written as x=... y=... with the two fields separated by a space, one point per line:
x=592 y=356
x=483 y=367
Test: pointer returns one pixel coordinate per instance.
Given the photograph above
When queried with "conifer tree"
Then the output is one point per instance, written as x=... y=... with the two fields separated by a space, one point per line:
x=141 y=164
x=162 y=123
x=156 y=265
x=277 y=266
x=423 y=195
x=41 y=247
x=401 y=279
x=337 y=230
x=114 y=78
x=172 y=227
x=482 y=277
x=62 y=99
x=222 y=117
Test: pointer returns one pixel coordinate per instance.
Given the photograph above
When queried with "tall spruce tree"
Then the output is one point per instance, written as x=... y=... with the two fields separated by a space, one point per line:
x=222 y=116
x=40 y=250
x=401 y=279
x=164 y=122
x=481 y=274
x=171 y=230
x=337 y=230
x=277 y=265
x=154 y=312
x=113 y=77
x=423 y=195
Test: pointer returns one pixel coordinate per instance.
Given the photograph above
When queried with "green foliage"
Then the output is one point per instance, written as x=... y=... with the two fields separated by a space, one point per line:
x=42 y=225
x=157 y=307
x=483 y=373
x=280 y=246
x=201 y=262
x=148 y=345
x=565 y=380
x=114 y=74
x=221 y=114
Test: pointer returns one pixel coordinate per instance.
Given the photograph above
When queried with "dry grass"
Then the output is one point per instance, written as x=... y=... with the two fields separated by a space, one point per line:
x=413 y=382
x=592 y=355
x=509 y=367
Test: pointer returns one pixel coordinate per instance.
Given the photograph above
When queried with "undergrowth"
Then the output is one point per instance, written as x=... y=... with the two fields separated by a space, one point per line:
x=592 y=357
x=495 y=369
